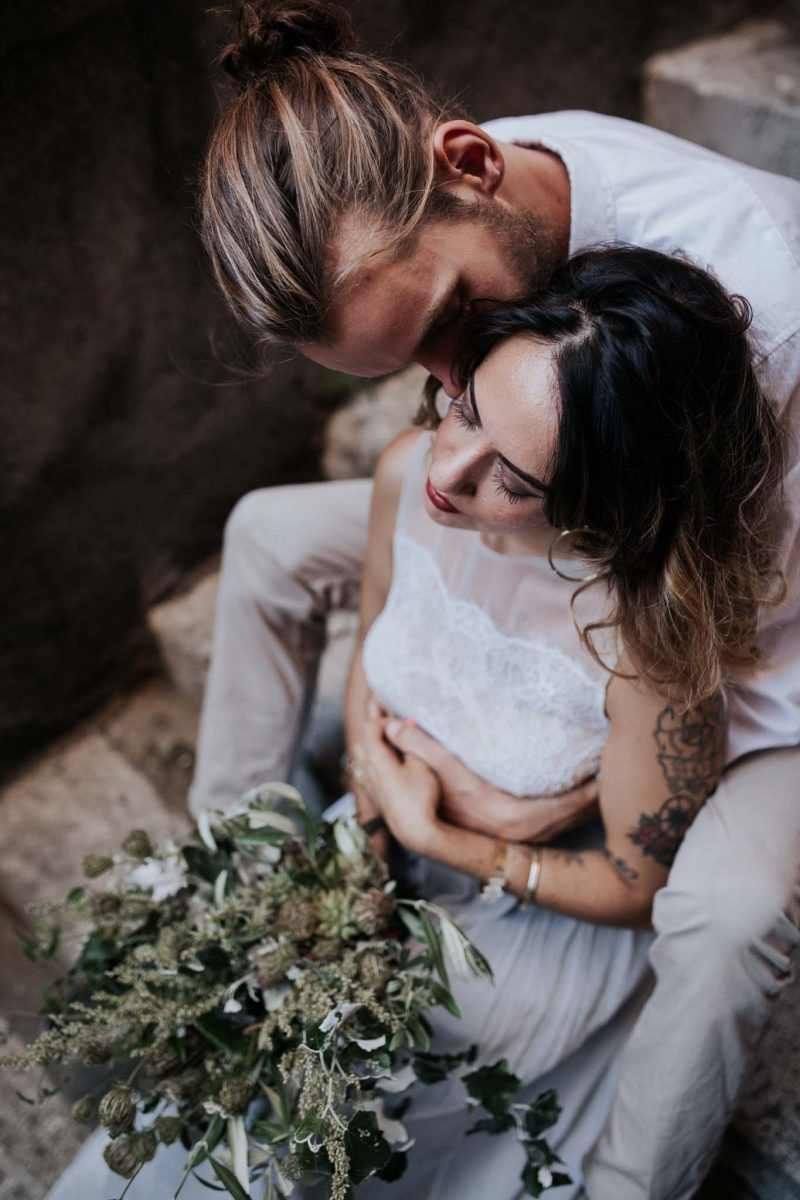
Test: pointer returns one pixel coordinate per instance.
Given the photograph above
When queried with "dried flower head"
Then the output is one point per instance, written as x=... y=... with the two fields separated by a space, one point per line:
x=137 y=844
x=235 y=1094
x=168 y=1129
x=298 y=918
x=117 y=1110
x=373 y=912
x=96 y=864
x=83 y=1110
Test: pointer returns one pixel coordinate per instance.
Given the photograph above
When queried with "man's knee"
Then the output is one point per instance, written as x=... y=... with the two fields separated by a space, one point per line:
x=270 y=527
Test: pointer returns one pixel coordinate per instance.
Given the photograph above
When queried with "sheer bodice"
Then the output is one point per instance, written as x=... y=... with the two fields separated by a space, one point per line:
x=481 y=650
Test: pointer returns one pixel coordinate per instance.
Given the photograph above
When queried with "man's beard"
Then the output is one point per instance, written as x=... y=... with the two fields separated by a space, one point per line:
x=529 y=246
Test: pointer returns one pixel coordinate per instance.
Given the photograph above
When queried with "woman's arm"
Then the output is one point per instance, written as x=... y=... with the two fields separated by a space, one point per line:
x=375 y=583
x=471 y=803
x=658 y=768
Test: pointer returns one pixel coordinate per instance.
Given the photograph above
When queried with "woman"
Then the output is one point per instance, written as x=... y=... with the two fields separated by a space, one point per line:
x=619 y=403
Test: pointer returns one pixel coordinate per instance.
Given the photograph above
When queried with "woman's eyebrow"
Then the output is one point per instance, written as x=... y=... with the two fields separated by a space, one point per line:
x=531 y=479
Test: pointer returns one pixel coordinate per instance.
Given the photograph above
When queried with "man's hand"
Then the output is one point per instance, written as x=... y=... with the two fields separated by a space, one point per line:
x=470 y=802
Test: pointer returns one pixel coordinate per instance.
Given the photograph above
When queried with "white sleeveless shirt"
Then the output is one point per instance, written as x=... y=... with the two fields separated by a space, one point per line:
x=481 y=650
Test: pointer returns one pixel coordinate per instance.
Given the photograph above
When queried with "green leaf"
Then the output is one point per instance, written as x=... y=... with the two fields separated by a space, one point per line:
x=419 y=1033
x=395 y=1167
x=227 y=1177
x=445 y=997
x=367 y=1148
x=225 y=1035
x=493 y=1124
x=314 y=1162
x=542 y=1114
x=434 y=944
x=494 y=1087
x=97 y=955
x=208 y=1144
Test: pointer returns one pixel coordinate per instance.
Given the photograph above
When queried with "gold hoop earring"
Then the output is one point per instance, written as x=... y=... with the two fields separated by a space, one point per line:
x=561 y=574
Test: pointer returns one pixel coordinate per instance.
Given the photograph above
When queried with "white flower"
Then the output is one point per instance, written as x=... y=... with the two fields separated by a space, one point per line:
x=231 y=1006
x=545 y=1177
x=204 y=829
x=219 y=888
x=336 y=1016
x=349 y=838
x=370 y=1043
x=395 y=1132
x=162 y=876
x=275 y=996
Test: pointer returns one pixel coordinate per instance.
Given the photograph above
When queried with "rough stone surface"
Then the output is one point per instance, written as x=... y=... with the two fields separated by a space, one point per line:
x=356 y=434
x=769 y=1115
x=184 y=627
x=155 y=729
x=738 y=94
x=83 y=796
x=35 y=1143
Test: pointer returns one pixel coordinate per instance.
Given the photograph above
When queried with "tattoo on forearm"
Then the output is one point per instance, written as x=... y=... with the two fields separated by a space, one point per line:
x=691 y=753
x=624 y=868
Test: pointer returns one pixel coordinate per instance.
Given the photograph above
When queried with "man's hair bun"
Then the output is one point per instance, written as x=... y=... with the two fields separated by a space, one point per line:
x=271 y=33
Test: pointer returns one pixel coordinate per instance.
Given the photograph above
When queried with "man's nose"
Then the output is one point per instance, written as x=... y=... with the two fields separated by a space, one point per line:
x=439 y=363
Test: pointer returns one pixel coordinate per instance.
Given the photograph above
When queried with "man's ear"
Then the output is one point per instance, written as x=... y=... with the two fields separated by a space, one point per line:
x=464 y=154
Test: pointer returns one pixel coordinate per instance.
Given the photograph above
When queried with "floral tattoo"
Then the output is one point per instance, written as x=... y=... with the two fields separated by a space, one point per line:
x=691 y=753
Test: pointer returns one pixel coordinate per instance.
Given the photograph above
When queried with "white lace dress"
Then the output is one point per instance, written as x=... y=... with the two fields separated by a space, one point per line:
x=481 y=650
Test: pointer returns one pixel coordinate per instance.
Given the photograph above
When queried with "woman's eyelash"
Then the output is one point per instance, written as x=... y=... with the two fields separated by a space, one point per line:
x=462 y=416
x=512 y=497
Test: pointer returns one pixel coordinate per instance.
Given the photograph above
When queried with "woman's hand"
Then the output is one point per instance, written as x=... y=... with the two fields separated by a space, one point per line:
x=404 y=789
x=471 y=803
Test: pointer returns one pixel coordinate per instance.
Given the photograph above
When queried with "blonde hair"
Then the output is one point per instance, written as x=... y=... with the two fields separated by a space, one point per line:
x=318 y=132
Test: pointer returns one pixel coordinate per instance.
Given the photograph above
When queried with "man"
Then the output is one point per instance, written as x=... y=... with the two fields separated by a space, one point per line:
x=313 y=249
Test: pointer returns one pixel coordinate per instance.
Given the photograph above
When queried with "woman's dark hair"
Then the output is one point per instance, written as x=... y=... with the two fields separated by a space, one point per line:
x=669 y=457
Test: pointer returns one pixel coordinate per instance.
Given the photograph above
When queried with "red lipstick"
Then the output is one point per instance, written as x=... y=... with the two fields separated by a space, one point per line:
x=439 y=500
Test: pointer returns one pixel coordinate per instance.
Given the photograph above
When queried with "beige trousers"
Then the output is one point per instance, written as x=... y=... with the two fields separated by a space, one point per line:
x=726 y=922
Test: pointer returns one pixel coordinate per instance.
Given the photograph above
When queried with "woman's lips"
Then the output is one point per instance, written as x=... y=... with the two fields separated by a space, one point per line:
x=439 y=500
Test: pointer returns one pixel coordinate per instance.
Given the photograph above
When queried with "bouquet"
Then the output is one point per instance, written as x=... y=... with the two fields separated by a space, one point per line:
x=258 y=996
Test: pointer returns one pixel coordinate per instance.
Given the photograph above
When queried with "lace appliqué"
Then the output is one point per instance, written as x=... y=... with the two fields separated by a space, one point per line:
x=518 y=711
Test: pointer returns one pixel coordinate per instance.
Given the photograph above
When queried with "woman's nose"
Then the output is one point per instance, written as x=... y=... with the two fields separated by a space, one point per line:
x=456 y=467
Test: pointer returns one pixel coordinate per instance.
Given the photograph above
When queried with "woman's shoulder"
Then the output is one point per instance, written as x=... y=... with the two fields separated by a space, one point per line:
x=394 y=461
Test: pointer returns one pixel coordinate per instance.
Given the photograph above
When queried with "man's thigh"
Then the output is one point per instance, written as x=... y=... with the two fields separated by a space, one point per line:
x=739 y=864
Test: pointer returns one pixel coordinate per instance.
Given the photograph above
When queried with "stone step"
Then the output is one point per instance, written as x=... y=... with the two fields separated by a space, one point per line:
x=738 y=93
x=84 y=795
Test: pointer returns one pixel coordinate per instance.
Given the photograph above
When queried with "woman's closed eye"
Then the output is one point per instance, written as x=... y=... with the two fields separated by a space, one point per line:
x=510 y=494
x=463 y=415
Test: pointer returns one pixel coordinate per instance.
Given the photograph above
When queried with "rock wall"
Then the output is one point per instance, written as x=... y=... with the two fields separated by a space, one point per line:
x=123 y=442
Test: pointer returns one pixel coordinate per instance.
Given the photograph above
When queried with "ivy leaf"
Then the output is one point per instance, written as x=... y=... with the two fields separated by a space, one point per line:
x=493 y=1124
x=542 y=1114
x=494 y=1087
x=226 y=1176
x=367 y=1148
x=395 y=1167
x=314 y=1162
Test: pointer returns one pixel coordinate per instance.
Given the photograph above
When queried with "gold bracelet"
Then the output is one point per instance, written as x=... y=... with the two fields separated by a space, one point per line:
x=533 y=877
x=494 y=886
